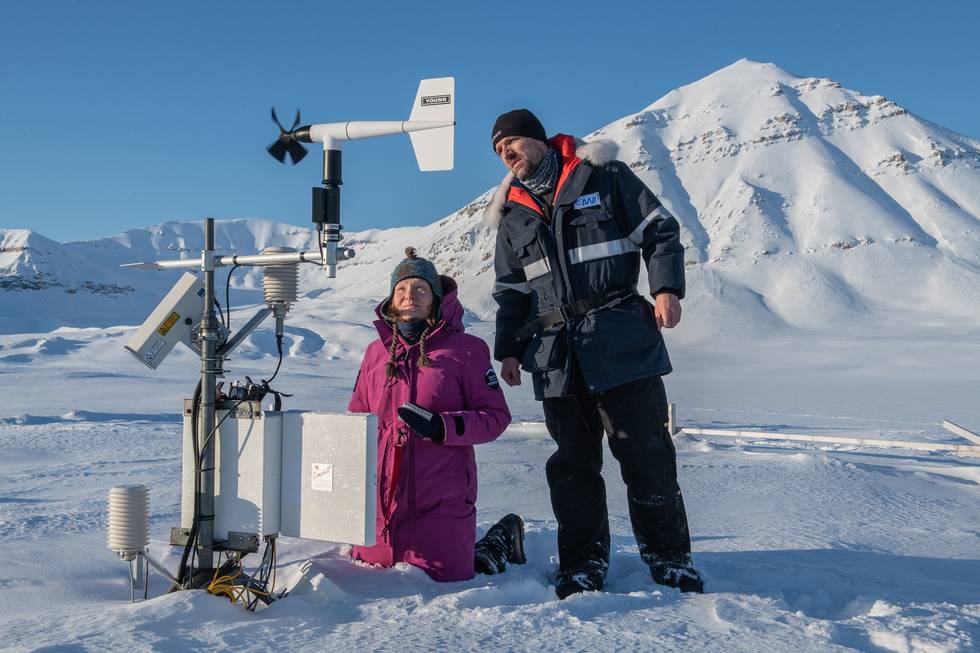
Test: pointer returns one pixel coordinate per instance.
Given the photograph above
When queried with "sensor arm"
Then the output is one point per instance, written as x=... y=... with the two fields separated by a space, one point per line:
x=331 y=134
x=248 y=259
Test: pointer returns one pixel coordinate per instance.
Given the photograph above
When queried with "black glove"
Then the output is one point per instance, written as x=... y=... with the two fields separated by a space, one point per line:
x=424 y=422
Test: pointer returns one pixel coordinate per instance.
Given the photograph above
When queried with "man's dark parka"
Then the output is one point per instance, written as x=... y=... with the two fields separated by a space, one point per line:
x=588 y=243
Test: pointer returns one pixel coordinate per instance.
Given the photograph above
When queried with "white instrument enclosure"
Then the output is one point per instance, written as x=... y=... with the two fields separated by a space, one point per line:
x=248 y=461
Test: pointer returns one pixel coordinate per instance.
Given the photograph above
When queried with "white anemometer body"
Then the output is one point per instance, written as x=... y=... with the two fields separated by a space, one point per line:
x=430 y=126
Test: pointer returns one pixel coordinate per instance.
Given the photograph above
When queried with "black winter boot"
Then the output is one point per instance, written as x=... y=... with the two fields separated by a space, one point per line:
x=675 y=574
x=503 y=543
x=588 y=578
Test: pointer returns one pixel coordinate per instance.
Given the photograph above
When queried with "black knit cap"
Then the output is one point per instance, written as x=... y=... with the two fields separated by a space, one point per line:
x=519 y=122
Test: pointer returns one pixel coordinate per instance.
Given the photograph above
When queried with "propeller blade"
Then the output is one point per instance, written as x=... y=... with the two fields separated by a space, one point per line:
x=278 y=151
x=275 y=119
x=287 y=143
x=296 y=151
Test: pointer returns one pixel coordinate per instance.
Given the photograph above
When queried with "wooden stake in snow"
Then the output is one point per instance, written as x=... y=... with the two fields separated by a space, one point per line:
x=960 y=431
x=962 y=449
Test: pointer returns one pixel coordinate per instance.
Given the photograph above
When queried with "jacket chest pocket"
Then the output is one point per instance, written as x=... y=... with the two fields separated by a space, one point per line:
x=594 y=234
x=530 y=249
x=590 y=218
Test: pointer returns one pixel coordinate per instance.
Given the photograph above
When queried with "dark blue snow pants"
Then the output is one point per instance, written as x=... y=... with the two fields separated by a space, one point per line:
x=634 y=417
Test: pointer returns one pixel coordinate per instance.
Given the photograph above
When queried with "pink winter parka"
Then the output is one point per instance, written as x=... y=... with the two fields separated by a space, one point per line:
x=427 y=491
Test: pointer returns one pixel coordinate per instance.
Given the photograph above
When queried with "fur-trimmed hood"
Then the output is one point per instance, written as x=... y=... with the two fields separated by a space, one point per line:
x=596 y=153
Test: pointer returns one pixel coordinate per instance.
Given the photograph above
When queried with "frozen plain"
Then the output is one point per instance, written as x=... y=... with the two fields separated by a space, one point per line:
x=833 y=256
x=804 y=547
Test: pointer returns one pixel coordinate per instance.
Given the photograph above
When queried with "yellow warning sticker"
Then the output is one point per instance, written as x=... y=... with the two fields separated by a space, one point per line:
x=168 y=323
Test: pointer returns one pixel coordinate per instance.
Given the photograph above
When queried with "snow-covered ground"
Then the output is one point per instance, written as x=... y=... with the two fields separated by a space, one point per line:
x=803 y=547
x=833 y=276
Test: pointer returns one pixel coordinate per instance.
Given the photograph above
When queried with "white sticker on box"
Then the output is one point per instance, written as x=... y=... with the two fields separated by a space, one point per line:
x=321 y=479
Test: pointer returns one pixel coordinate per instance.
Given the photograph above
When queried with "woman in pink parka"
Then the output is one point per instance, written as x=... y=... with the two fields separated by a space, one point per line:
x=435 y=393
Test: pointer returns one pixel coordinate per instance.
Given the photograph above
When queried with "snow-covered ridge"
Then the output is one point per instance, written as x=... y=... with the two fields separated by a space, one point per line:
x=802 y=203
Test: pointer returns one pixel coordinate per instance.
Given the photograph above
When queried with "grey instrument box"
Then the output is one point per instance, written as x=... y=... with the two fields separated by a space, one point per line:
x=329 y=476
x=311 y=475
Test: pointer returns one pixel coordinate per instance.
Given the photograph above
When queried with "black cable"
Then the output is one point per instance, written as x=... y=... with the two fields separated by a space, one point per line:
x=207 y=440
x=260 y=579
x=192 y=536
x=227 y=292
x=199 y=453
x=221 y=313
x=319 y=238
x=279 y=364
x=224 y=327
x=272 y=569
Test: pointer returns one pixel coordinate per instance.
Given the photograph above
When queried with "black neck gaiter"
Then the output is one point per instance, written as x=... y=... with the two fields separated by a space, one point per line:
x=411 y=330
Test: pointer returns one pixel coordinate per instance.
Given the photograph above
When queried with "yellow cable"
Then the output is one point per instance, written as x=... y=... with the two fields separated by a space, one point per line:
x=224 y=585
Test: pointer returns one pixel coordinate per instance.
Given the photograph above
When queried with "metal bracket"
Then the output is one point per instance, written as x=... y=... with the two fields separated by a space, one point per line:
x=249 y=326
x=245 y=410
x=178 y=536
x=245 y=542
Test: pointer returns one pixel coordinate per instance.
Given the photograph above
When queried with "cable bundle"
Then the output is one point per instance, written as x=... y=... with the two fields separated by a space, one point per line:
x=231 y=582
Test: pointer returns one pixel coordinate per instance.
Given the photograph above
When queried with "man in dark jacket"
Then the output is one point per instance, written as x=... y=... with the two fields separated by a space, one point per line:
x=572 y=225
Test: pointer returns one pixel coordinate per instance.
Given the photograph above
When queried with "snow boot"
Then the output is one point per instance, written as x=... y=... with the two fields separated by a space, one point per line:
x=503 y=543
x=680 y=575
x=575 y=581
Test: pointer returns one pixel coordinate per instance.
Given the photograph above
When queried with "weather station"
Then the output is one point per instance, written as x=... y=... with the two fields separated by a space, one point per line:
x=251 y=473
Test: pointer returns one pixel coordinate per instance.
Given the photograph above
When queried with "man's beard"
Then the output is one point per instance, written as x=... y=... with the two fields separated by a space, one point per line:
x=545 y=175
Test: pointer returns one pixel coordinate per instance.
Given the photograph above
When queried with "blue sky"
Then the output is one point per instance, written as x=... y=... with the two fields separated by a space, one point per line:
x=122 y=115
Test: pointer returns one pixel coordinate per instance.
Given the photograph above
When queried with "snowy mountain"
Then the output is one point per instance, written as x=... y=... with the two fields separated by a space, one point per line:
x=802 y=203
x=809 y=202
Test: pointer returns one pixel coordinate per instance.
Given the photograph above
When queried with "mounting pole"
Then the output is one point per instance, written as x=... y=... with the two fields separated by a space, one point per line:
x=210 y=370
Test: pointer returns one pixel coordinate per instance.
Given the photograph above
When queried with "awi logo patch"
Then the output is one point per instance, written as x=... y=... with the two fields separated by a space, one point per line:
x=588 y=201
